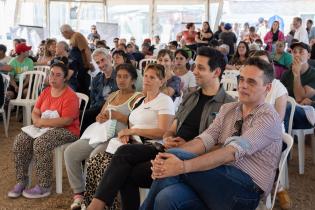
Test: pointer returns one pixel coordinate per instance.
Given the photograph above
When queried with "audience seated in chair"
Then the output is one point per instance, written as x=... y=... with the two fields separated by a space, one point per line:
x=199 y=106
x=59 y=98
x=103 y=84
x=300 y=83
x=239 y=172
x=149 y=120
x=120 y=103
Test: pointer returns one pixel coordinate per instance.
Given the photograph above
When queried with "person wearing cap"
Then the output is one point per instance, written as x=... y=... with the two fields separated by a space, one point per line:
x=79 y=42
x=300 y=32
x=19 y=64
x=300 y=83
x=229 y=38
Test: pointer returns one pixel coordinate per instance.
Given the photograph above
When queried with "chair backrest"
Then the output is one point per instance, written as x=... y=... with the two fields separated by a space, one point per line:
x=288 y=140
x=178 y=100
x=43 y=68
x=292 y=102
x=85 y=98
x=6 y=83
x=233 y=93
x=36 y=80
x=229 y=79
x=144 y=62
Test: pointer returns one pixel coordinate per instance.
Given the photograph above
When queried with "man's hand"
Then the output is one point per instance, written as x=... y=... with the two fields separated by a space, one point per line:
x=296 y=67
x=170 y=142
x=306 y=101
x=166 y=165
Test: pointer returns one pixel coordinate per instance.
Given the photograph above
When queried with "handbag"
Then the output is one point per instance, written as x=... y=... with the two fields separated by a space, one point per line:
x=98 y=133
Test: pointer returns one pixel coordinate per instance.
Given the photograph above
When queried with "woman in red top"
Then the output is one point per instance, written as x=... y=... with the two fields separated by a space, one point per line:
x=57 y=108
x=188 y=36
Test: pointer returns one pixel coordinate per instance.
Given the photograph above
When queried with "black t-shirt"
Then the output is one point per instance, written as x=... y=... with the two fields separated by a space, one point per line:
x=230 y=39
x=307 y=78
x=190 y=126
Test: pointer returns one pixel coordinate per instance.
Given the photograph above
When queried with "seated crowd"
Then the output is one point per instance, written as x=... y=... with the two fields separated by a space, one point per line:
x=169 y=132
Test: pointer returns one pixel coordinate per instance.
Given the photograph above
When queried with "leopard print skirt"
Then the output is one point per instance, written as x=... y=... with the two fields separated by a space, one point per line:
x=96 y=167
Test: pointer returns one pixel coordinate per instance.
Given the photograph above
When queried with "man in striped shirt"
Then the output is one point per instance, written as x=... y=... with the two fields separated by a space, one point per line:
x=233 y=162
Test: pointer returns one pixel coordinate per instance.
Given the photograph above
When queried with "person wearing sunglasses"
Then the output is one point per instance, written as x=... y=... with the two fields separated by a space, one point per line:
x=235 y=175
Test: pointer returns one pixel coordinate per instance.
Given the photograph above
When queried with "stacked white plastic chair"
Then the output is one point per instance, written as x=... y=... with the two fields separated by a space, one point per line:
x=36 y=80
x=144 y=62
x=229 y=79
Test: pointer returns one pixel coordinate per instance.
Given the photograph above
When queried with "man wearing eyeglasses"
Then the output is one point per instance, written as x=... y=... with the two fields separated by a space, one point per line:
x=237 y=174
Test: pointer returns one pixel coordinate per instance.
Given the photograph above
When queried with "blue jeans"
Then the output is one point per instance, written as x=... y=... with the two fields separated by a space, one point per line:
x=300 y=120
x=224 y=187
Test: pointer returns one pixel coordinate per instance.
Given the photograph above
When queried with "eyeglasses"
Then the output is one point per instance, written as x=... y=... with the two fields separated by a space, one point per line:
x=238 y=127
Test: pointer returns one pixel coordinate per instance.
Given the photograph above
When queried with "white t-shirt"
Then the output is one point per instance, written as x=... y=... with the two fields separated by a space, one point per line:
x=5 y=60
x=277 y=90
x=146 y=115
x=188 y=80
x=301 y=35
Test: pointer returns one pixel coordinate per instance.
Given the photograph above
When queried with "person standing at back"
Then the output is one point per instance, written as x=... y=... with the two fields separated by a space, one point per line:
x=78 y=41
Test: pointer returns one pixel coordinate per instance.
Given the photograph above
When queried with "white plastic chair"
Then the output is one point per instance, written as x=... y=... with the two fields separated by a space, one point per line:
x=45 y=69
x=144 y=62
x=233 y=93
x=36 y=80
x=229 y=79
x=6 y=82
x=59 y=150
x=178 y=100
x=288 y=140
x=300 y=134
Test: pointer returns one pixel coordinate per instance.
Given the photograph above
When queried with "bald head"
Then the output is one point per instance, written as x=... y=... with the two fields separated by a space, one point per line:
x=66 y=31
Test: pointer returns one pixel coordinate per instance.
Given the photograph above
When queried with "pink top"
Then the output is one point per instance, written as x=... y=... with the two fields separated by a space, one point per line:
x=67 y=105
x=189 y=37
x=268 y=39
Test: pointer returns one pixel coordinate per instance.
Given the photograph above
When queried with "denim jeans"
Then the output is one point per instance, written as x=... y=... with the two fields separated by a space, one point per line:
x=300 y=120
x=221 y=188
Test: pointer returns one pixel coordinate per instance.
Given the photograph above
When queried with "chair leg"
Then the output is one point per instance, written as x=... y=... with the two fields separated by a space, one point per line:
x=9 y=115
x=301 y=151
x=5 y=124
x=58 y=168
x=27 y=113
